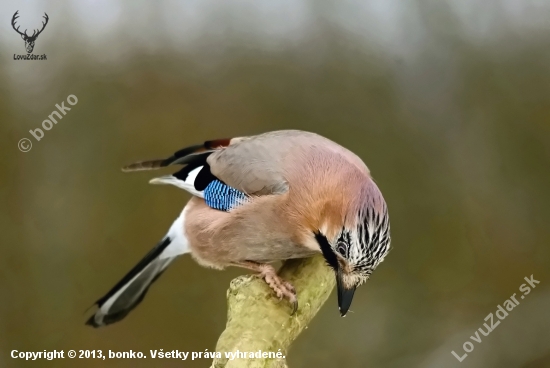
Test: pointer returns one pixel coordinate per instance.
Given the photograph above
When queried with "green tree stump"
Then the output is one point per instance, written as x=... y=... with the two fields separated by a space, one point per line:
x=257 y=320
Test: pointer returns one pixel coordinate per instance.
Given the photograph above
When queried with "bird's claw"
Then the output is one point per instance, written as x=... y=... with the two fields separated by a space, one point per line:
x=283 y=289
x=294 y=307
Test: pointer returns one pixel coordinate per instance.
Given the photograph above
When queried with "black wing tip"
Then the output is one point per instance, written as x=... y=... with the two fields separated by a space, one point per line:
x=182 y=157
x=147 y=165
x=197 y=148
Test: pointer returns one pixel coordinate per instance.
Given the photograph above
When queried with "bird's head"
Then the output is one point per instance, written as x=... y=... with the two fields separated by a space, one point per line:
x=356 y=247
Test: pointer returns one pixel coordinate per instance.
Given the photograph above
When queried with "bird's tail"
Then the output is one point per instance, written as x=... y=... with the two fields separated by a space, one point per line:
x=131 y=289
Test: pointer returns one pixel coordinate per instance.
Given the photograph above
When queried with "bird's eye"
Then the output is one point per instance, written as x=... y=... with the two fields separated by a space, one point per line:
x=342 y=248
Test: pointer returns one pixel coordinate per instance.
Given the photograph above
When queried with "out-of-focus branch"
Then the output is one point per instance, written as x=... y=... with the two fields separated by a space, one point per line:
x=257 y=320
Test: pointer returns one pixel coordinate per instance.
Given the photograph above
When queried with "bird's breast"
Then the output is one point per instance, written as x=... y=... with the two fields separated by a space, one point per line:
x=260 y=230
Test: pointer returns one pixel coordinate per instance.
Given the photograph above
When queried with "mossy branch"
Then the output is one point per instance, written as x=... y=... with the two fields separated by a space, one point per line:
x=257 y=320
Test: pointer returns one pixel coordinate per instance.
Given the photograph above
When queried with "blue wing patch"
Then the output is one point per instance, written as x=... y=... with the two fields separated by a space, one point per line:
x=222 y=197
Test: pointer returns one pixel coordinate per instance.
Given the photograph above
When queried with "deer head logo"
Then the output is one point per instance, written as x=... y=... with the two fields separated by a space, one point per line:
x=29 y=40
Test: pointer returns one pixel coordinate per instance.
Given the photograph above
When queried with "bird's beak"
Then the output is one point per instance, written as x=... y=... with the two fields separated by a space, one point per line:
x=345 y=295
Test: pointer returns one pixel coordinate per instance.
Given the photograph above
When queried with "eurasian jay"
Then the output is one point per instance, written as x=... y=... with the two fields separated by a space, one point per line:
x=260 y=199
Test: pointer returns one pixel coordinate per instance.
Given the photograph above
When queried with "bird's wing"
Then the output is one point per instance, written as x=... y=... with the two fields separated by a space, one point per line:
x=182 y=157
x=269 y=162
x=253 y=165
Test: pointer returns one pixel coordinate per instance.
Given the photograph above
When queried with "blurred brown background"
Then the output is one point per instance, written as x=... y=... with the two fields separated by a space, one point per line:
x=448 y=103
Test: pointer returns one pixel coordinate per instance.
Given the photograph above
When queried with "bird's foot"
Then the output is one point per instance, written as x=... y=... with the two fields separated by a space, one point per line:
x=282 y=288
